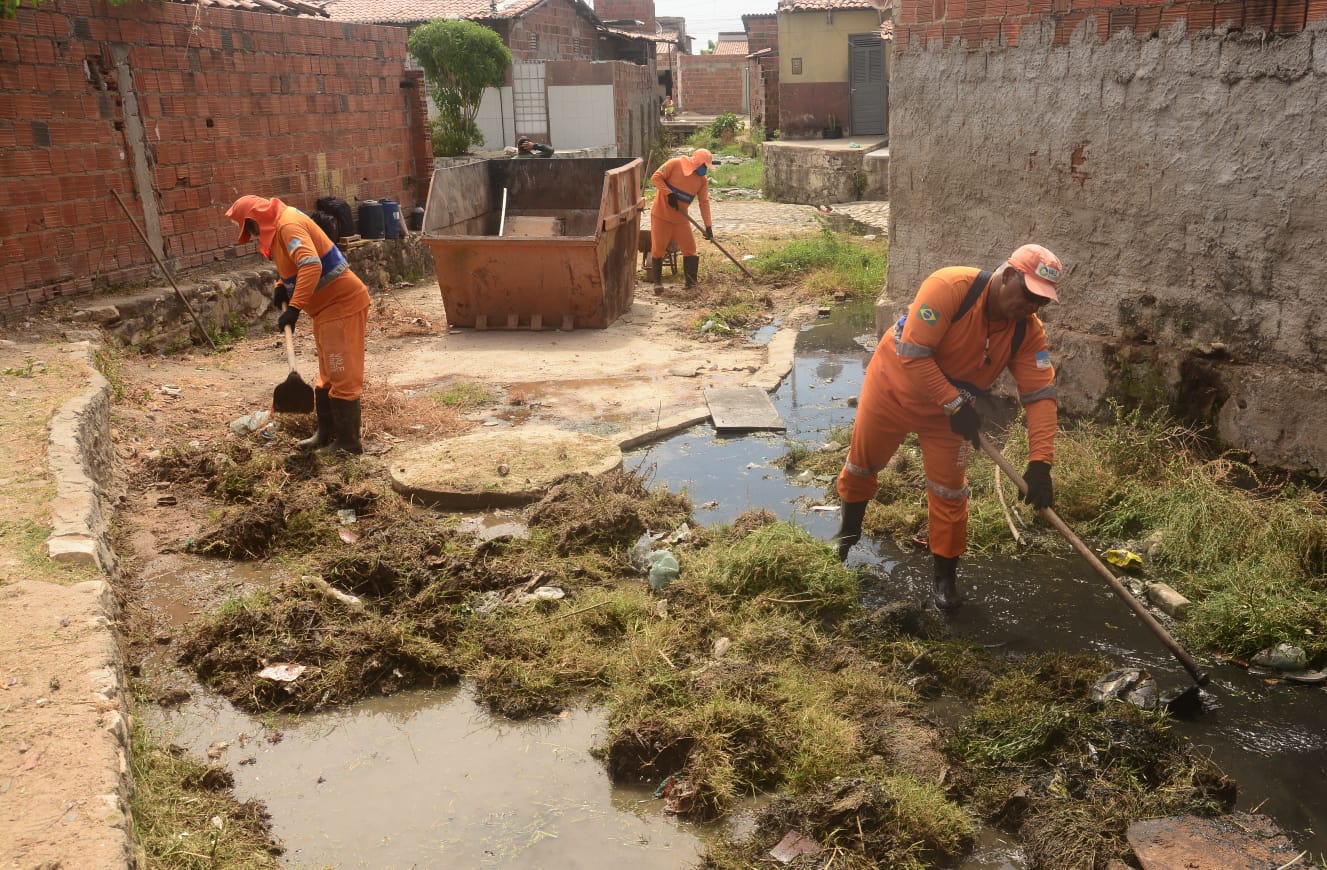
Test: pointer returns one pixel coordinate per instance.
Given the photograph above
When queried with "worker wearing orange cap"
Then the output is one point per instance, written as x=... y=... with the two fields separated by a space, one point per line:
x=315 y=279
x=962 y=330
x=679 y=181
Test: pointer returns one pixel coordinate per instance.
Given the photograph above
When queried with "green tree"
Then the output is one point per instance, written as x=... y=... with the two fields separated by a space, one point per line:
x=460 y=59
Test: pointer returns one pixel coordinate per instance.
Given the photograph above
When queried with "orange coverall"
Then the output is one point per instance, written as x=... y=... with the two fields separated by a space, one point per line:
x=322 y=286
x=906 y=388
x=670 y=224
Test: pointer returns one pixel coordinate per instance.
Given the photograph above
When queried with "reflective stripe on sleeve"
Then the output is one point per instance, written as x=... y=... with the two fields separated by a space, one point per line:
x=913 y=351
x=1037 y=395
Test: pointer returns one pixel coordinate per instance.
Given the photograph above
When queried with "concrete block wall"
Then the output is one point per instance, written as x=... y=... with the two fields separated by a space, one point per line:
x=627 y=10
x=711 y=84
x=182 y=110
x=1176 y=166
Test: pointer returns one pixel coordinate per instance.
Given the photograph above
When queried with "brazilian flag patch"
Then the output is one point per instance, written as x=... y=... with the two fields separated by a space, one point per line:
x=927 y=313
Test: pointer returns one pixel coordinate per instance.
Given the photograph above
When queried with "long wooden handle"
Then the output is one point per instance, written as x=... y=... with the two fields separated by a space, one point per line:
x=1199 y=676
x=722 y=248
x=290 y=346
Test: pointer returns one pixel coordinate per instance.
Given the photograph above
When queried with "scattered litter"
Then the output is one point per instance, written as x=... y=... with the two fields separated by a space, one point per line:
x=793 y=845
x=281 y=673
x=347 y=535
x=824 y=311
x=663 y=570
x=171 y=390
x=487 y=602
x=166 y=500
x=748 y=256
x=1133 y=685
x=1310 y=678
x=1126 y=559
x=709 y=506
x=347 y=516
x=503 y=469
x=824 y=508
x=549 y=593
x=1282 y=657
x=681 y=533
x=251 y=422
x=804 y=477
x=721 y=646
x=330 y=591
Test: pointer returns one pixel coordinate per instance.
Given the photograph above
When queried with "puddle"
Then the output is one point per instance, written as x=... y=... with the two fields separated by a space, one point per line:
x=1269 y=738
x=427 y=779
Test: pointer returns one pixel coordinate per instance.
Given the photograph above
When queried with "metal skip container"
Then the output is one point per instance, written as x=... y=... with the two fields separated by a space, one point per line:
x=535 y=244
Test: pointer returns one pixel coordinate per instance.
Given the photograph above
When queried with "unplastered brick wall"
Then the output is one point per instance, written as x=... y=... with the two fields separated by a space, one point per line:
x=182 y=109
x=553 y=30
x=711 y=84
x=1178 y=171
x=627 y=10
x=636 y=108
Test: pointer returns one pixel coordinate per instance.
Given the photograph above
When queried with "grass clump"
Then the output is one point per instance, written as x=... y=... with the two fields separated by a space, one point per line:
x=828 y=261
x=186 y=817
x=783 y=566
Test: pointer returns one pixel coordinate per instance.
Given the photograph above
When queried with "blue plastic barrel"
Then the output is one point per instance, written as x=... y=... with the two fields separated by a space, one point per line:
x=370 y=219
x=391 y=219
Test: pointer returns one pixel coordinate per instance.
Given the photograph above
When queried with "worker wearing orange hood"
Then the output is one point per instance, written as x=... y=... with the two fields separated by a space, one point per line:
x=315 y=279
x=679 y=181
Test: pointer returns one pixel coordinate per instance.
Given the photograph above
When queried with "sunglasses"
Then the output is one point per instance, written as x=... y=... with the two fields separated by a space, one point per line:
x=1028 y=296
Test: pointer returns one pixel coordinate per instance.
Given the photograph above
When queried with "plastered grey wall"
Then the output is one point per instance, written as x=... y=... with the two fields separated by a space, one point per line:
x=1182 y=179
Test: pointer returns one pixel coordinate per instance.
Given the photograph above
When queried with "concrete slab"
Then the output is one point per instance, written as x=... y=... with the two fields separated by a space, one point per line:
x=742 y=408
x=499 y=467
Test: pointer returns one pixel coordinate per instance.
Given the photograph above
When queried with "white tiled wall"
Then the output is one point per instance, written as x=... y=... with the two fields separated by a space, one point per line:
x=581 y=116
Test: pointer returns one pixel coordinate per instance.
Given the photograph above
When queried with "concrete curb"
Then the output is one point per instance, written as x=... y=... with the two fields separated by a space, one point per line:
x=82 y=620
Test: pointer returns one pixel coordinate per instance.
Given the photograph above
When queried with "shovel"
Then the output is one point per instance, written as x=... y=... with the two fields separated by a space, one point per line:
x=292 y=396
x=1186 y=702
x=722 y=248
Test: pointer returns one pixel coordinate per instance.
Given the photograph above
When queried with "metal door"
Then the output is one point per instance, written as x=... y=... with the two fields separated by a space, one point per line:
x=868 y=90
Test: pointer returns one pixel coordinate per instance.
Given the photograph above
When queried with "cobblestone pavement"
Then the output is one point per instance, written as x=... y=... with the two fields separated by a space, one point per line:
x=735 y=217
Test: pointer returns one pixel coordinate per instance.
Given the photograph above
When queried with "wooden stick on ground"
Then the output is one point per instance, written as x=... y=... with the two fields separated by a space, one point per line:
x=999 y=491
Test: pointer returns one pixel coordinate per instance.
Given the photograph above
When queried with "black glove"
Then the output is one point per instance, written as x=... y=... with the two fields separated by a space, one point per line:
x=288 y=318
x=967 y=422
x=672 y=200
x=280 y=296
x=709 y=234
x=1040 y=493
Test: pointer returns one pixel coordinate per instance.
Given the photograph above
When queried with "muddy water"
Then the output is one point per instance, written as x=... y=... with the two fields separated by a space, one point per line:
x=1271 y=738
x=426 y=779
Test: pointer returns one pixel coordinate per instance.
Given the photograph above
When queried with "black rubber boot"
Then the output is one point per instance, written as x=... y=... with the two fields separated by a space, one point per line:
x=850 y=528
x=656 y=273
x=691 y=268
x=345 y=417
x=322 y=404
x=945 y=595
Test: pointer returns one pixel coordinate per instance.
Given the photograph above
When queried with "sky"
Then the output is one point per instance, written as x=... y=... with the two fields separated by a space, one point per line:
x=705 y=18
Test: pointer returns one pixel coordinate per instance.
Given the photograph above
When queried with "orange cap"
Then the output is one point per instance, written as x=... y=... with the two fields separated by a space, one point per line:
x=699 y=157
x=1041 y=269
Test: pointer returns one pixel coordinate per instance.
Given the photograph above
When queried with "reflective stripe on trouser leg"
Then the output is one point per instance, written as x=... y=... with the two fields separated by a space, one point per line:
x=945 y=456
x=341 y=353
x=878 y=431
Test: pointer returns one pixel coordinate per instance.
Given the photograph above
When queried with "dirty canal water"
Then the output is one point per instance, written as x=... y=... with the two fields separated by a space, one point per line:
x=1270 y=738
x=428 y=779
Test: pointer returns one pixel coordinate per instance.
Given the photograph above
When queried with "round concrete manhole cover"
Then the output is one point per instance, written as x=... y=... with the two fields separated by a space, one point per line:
x=497 y=468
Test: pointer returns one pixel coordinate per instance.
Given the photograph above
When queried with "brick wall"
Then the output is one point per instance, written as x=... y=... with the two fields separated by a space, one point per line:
x=552 y=31
x=976 y=22
x=710 y=84
x=627 y=10
x=182 y=109
x=762 y=31
x=636 y=108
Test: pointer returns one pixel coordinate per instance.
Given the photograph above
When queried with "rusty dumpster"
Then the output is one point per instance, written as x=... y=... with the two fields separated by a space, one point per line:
x=535 y=244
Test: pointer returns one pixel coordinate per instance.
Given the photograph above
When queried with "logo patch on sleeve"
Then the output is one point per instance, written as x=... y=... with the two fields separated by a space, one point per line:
x=927 y=313
x=292 y=245
x=1043 y=359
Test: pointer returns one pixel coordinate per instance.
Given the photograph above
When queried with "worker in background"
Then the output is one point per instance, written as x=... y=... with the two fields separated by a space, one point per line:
x=668 y=107
x=961 y=331
x=679 y=181
x=315 y=279
x=527 y=147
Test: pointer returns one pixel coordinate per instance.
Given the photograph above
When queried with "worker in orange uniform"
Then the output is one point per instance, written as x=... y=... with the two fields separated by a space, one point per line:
x=679 y=181
x=964 y=328
x=315 y=279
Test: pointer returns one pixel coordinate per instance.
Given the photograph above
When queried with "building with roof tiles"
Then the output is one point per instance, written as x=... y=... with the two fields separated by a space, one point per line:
x=762 y=42
x=575 y=82
x=834 y=67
